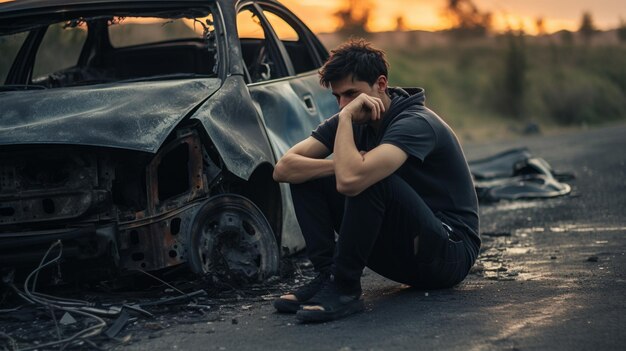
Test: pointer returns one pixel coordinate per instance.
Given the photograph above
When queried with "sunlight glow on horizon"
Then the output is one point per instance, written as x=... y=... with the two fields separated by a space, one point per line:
x=428 y=15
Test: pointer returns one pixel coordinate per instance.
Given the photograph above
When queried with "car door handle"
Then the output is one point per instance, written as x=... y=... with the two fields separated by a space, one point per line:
x=310 y=105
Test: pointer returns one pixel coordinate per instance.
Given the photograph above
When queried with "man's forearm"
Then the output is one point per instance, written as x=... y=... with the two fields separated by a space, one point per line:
x=348 y=160
x=295 y=169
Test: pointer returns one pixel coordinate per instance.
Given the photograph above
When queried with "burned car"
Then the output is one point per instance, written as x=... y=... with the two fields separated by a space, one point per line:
x=142 y=134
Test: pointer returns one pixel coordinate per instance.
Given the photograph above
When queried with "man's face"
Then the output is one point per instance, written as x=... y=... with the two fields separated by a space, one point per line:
x=347 y=89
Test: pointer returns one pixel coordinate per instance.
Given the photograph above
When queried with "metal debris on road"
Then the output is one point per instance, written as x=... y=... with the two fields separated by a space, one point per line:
x=67 y=319
x=113 y=313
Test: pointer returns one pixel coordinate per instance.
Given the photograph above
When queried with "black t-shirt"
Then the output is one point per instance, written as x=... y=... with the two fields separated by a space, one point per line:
x=436 y=167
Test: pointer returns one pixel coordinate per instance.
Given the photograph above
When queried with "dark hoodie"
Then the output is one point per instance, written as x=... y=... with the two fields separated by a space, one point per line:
x=436 y=167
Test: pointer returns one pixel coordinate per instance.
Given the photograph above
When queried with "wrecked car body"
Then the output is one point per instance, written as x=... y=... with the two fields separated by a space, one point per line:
x=148 y=151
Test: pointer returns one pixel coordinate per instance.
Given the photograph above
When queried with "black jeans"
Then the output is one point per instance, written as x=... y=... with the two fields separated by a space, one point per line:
x=387 y=227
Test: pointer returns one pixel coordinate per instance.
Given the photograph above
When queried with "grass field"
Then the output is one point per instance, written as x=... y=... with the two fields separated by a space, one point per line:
x=504 y=86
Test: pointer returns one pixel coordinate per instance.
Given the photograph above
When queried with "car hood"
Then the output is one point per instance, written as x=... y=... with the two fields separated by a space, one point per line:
x=136 y=116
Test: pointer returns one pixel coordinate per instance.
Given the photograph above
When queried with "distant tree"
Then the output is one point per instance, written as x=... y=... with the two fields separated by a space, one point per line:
x=467 y=20
x=353 y=18
x=567 y=37
x=621 y=30
x=540 y=26
x=513 y=84
x=587 y=29
x=400 y=25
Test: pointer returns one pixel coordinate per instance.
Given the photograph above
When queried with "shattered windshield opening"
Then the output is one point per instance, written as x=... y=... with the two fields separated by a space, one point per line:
x=110 y=48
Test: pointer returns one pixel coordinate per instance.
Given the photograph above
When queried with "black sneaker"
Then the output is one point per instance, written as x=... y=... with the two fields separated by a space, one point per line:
x=330 y=303
x=303 y=294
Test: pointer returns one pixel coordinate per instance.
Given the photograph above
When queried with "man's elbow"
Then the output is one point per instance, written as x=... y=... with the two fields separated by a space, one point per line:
x=349 y=187
x=279 y=173
x=283 y=171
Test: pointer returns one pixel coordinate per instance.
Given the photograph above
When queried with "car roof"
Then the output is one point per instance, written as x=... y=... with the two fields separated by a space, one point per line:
x=16 y=16
x=25 y=5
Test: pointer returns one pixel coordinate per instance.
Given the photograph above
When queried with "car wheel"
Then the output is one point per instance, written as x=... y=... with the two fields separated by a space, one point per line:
x=231 y=236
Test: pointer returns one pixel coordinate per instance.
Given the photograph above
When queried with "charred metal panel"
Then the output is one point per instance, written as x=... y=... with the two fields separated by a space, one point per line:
x=233 y=125
x=57 y=193
x=156 y=242
x=80 y=242
x=136 y=116
x=191 y=168
x=158 y=237
x=49 y=185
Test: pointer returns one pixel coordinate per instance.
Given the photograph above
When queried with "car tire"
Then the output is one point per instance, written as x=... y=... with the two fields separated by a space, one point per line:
x=231 y=237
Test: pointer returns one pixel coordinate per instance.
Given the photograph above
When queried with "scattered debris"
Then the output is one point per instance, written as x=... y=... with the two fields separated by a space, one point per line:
x=154 y=326
x=492 y=263
x=175 y=299
x=496 y=234
x=67 y=319
x=118 y=325
x=141 y=306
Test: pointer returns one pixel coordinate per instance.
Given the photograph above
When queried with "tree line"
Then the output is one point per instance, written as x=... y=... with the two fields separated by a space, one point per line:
x=466 y=19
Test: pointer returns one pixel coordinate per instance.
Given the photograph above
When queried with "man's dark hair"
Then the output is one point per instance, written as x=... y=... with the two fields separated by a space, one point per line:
x=356 y=57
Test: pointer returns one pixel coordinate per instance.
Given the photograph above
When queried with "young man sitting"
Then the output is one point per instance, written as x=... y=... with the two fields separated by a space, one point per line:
x=397 y=191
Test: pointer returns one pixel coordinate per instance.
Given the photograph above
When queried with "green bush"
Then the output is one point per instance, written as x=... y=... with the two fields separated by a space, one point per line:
x=546 y=82
x=577 y=97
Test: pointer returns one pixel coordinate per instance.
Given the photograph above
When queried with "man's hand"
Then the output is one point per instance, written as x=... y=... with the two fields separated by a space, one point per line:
x=363 y=109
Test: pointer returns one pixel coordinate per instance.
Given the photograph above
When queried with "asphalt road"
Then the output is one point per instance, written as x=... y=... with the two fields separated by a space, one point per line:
x=551 y=276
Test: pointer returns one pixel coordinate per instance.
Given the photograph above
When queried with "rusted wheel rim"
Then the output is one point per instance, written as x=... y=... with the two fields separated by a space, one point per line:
x=233 y=237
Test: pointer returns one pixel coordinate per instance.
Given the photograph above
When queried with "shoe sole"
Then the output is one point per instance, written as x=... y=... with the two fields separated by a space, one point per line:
x=286 y=306
x=309 y=316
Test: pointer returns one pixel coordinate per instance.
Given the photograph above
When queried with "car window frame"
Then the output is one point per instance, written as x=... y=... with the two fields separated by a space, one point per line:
x=22 y=67
x=304 y=34
x=38 y=50
x=278 y=51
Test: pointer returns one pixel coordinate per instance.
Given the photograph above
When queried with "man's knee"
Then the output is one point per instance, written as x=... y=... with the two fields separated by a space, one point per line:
x=314 y=184
x=311 y=187
x=379 y=190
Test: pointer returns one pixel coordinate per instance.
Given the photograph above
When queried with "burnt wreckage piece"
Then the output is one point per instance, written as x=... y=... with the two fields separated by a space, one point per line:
x=516 y=174
x=133 y=211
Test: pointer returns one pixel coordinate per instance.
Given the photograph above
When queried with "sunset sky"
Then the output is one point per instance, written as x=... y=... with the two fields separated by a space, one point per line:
x=427 y=14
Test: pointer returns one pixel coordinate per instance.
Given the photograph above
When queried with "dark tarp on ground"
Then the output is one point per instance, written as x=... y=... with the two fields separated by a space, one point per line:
x=516 y=174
